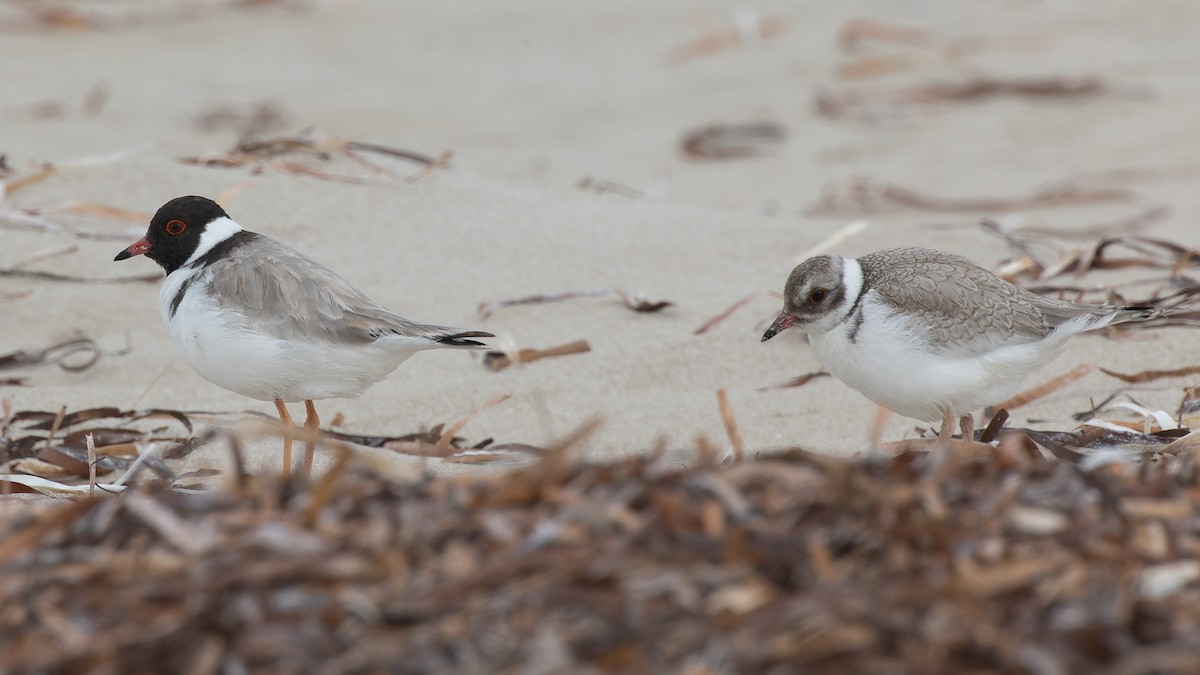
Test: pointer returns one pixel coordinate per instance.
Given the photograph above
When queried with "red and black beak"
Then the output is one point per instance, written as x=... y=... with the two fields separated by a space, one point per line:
x=781 y=323
x=136 y=248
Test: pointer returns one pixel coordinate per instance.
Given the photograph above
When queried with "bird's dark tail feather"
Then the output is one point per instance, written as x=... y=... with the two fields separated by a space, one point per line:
x=1139 y=313
x=459 y=339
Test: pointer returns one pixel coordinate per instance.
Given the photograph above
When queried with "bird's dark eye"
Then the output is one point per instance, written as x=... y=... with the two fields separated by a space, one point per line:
x=176 y=227
x=817 y=295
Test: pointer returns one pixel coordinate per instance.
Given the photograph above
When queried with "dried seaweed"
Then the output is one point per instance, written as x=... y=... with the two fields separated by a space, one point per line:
x=716 y=320
x=287 y=154
x=1172 y=293
x=63 y=353
x=54 y=446
x=1151 y=375
x=97 y=440
x=798 y=381
x=495 y=360
x=13 y=183
x=919 y=47
x=248 y=120
x=90 y=106
x=865 y=195
x=976 y=559
x=35 y=219
x=43 y=15
x=732 y=141
x=871 y=104
x=71 y=278
x=635 y=301
x=1122 y=226
x=603 y=186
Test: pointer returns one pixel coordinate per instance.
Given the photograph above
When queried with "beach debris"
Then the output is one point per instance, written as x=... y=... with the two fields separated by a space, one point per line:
x=781 y=561
x=43 y=15
x=1151 y=375
x=1141 y=251
x=718 y=319
x=246 y=120
x=62 y=353
x=861 y=195
x=289 y=154
x=798 y=381
x=870 y=104
x=90 y=106
x=1016 y=235
x=448 y=435
x=918 y=47
x=1173 y=294
x=606 y=186
x=732 y=141
x=12 y=180
x=54 y=445
x=635 y=301
x=440 y=162
x=744 y=29
x=39 y=219
x=731 y=427
x=96 y=441
x=498 y=360
x=71 y=278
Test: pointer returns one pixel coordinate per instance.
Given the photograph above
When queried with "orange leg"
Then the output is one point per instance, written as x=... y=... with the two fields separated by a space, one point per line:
x=312 y=424
x=286 y=420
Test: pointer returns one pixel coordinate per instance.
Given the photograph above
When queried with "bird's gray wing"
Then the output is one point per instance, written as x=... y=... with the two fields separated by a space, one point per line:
x=967 y=310
x=285 y=294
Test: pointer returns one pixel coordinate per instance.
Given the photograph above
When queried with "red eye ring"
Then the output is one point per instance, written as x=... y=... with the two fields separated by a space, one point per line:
x=175 y=227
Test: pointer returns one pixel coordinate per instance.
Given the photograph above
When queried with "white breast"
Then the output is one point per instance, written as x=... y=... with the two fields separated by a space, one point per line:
x=222 y=348
x=890 y=363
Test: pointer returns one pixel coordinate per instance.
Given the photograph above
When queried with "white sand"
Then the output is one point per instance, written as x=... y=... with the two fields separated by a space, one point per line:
x=531 y=97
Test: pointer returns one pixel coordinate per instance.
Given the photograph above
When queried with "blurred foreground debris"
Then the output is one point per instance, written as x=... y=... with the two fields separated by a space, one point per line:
x=971 y=558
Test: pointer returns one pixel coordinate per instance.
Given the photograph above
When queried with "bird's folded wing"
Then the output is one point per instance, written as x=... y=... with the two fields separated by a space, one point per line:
x=960 y=308
x=287 y=295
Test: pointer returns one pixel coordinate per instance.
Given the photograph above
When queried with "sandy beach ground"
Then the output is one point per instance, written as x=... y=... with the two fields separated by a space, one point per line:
x=532 y=97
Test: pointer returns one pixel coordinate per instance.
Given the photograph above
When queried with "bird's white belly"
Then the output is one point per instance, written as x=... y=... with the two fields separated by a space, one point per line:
x=223 y=350
x=888 y=364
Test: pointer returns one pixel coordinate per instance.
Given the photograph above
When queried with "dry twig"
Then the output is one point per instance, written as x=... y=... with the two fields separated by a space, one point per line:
x=865 y=195
x=866 y=104
x=501 y=360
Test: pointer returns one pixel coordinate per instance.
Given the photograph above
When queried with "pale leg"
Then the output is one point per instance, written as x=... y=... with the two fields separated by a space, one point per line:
x=967 y=424
x=286 y=420
x=947 y=430
x=312 y=424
